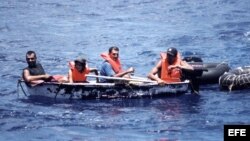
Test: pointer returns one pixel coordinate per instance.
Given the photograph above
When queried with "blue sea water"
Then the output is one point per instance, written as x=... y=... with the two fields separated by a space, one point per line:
x=61 y=30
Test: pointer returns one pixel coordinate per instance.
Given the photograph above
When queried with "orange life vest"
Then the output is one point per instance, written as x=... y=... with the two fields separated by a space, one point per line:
x=76 y=75
x=116 y=65
x=173 y=75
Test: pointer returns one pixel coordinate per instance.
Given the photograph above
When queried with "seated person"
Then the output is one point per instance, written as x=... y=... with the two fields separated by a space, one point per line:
x=169 y=67
x=111 y=66
x=78 y=71
x=35 y=74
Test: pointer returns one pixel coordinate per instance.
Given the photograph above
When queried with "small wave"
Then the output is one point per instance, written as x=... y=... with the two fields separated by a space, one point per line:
x=5 y=28
x=174 y=129
x=66 y=131
x=239 y=11
x=10 y=76
x=147 y=53
x=93 y=15
x=247 y=34
x=145 y=2
x=7 y=7
x=7 y=91
x=119 y=6
x=17 y=128
x=232 y=25
x=53 y=4
x=225 y=35
x=3 y=57
x=188 y=40
x=115 y=19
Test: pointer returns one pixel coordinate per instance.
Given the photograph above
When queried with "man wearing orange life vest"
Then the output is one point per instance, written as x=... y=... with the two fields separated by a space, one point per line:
x=169 y=67
x=112 y=65
x=78 y=71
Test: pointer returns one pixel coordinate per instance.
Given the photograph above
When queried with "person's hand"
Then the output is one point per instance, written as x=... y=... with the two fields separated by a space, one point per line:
x=173 y=66
x=47 y=77
x=161 y=82
x=131 y=69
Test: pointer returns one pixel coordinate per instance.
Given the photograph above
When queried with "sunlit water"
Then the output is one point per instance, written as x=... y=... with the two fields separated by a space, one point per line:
x=61 y=30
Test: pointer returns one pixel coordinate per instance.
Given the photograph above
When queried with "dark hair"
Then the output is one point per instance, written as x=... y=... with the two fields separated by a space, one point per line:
x=113 y=48
x=31 y=52
x=81 y=60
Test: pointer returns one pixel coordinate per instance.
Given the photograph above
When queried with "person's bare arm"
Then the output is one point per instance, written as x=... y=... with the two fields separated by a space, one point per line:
x=28 y=78
x=121 y=74
x=155 y=70
x=94 y=70
x=70 y=76
x=185 y=65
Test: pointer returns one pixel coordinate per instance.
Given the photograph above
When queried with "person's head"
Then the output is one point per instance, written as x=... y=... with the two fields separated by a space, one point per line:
x=171 y=55
x=31 y=58
x=114 y=52
x=80 y=64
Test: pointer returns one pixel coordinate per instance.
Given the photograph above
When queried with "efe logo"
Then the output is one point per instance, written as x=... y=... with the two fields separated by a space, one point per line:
x=236 y=132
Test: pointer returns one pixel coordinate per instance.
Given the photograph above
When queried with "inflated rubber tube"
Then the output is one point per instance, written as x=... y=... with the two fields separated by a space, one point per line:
x=236 y=79
x=205 y=73
x=212 y=72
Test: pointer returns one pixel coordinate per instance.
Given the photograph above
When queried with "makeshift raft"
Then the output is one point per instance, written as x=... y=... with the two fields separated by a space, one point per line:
x=95 y=90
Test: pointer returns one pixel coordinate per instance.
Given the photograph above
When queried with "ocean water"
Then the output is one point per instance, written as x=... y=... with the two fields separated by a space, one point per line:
x=61 y=30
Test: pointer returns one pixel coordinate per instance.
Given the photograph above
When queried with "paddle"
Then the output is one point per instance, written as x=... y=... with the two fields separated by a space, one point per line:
x=121 y=78
x=138 y=77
